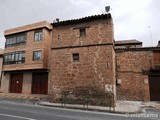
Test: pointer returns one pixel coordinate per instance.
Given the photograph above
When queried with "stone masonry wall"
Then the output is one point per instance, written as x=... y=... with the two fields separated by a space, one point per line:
x=95 y=67
x=130 y=66
x=156 y=55
x=97 y=32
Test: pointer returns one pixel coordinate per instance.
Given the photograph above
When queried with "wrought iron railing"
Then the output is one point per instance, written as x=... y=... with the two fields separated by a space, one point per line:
x=88 y=96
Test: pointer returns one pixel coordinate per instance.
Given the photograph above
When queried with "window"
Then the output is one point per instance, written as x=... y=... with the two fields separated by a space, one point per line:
x=75 y=57
x=82 y=32
x=14 y=58
x=37 y=55
x=15 y=39
x=38 y=36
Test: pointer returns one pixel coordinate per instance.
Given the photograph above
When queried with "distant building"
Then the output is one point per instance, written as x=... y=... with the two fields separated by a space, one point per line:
x=128 y=44
x=26 y=55
x=138 y=73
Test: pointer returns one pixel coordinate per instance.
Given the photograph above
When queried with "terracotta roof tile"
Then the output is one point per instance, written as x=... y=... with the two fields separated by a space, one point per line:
x=127 y=42
x=89 y=18
x=139 y=49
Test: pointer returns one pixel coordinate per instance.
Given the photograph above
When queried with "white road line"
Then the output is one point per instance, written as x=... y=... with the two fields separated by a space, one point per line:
x=13 y=116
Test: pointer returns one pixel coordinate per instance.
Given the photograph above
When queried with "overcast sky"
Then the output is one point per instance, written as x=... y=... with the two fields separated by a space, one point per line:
x=133 y=19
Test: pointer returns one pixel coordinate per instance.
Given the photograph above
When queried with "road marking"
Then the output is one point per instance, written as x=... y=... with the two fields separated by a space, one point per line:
x=13 y=116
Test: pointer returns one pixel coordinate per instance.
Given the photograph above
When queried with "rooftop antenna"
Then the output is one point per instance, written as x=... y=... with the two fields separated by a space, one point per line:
x=57 y=19
x=107 y=8
x=150 y=30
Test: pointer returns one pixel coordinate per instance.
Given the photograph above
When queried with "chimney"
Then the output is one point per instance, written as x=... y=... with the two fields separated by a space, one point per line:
x=158 y=44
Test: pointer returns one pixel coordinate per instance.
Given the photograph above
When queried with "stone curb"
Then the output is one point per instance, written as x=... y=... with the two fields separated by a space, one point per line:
x=90 y=109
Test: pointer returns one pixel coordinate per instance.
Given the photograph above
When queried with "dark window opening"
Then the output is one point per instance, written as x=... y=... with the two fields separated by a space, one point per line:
x=75 y=57
x=82 y=32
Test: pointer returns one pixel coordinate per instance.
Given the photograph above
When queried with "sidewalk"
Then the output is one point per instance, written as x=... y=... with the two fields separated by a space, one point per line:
x=122 y=107
x=22 y=96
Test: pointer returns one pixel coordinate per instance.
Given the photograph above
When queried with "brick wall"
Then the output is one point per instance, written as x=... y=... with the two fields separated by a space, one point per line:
x=43 y=24
x=29 y=47
x=95 y=67
x=130 y=69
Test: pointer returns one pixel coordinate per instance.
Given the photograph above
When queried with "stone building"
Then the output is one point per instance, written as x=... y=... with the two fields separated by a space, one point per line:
x=82 y=54
x=26 y=55
x=138 y=73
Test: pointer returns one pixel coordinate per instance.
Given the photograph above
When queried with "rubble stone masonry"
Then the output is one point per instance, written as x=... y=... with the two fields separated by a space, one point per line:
x=131 y=68
x=95 y=67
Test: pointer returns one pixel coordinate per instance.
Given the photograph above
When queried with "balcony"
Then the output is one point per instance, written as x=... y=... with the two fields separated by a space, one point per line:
x=15 y=44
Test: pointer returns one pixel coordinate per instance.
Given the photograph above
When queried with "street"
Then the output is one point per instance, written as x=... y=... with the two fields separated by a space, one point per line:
x=11 y=110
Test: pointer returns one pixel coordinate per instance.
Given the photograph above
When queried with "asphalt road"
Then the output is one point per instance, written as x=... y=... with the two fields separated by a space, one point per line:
x=11 y=110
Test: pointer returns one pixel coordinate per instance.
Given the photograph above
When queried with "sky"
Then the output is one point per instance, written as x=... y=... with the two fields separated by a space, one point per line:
x=133 y=19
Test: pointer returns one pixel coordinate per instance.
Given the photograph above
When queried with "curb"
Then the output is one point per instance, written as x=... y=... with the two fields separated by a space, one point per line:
x=141 y=110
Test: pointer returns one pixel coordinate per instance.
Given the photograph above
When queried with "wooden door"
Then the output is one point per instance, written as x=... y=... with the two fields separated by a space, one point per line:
x=16 y=83
x=154 y=85
x=40 y=83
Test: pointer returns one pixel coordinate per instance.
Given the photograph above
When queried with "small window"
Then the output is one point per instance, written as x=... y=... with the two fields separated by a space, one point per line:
x=82 y=32
x=75 y=57
x=38 y=36
x=37 y=55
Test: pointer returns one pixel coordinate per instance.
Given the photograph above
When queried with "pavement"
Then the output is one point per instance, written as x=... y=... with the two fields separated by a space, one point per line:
x=22 y=98
x=25 y=96
x=122 y=107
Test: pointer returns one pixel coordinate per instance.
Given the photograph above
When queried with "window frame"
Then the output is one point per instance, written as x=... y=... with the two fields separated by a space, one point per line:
x=11 y=58
x=82 y=32
x=75 y=57
x=14 y=40
x=38 y=51
x=39 y=35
